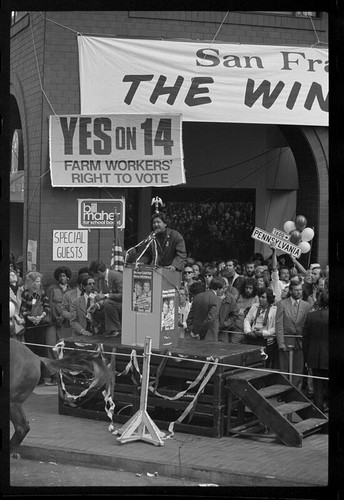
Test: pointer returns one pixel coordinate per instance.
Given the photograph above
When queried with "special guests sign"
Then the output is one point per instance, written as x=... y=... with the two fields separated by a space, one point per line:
x=211 y=82
x=116 y=150
x=280 y=242
x=70 y=244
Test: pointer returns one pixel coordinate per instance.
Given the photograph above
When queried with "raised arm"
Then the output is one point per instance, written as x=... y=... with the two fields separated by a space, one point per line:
x=298 y=265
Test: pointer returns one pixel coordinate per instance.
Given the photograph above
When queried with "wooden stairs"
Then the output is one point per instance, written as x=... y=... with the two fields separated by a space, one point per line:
x=279 y=408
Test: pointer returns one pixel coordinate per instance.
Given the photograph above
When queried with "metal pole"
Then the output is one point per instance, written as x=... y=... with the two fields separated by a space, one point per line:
x=145 y=373
x=134 y=429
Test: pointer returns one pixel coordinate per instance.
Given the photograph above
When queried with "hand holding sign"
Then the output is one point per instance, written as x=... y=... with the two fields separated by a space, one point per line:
x=293 y=240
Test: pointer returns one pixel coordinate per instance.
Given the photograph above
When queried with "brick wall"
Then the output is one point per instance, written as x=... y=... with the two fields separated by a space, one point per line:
x=27 y=54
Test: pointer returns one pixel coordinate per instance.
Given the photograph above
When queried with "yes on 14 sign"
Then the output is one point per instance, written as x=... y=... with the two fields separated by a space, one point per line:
x=116 y=150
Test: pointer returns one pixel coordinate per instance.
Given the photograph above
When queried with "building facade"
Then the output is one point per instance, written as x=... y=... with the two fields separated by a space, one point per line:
x=259 y=174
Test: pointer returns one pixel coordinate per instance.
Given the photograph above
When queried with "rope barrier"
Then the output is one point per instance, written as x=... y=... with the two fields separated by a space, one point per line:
x=185 y=358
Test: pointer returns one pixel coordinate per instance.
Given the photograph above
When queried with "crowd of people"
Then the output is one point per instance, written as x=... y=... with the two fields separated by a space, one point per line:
x=265 y=303
x=42 y=316
x=274 y=303
x=214 y=228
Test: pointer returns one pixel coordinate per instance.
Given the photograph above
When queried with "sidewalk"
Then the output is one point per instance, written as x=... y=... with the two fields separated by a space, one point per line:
x=227 y=461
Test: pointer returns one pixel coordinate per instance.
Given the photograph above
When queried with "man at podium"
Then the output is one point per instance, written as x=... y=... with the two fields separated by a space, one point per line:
x=170 y=245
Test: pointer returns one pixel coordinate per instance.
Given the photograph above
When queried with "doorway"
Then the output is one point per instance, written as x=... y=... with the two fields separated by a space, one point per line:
x=216 y=223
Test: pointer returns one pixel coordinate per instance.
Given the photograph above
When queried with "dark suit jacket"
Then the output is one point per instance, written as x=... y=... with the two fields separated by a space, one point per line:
x=67 y=301
x=114 y=286
x=285 y=323
x=204 y=314
x=229 y=313
x=78 y=320
x=315 y=333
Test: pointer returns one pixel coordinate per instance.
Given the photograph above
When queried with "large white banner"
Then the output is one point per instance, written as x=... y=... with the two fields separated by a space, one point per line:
x=204 y=81
x=116 y=150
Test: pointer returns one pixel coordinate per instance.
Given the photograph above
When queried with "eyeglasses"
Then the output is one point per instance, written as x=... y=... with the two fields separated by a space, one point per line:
x=188 y=272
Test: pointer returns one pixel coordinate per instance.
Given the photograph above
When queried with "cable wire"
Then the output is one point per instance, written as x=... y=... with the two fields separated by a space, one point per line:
x=37 y=65
x=185 y=358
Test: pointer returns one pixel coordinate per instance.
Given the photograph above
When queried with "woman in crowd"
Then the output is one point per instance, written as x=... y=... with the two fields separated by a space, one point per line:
x=259 y=326
x=16 y=299
x=262 y=281
x=59 y=327
x=315 y=345
x=35 y=311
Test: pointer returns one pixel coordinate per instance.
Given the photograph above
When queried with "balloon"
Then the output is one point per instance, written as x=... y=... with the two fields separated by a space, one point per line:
x=300 y=222
x=295 y=237
x=307 y=234
x=12 y=309
x=289 y=226
x=305 y=246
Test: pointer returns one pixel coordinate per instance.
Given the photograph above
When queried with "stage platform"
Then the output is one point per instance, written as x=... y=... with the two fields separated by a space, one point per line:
x=186 y=385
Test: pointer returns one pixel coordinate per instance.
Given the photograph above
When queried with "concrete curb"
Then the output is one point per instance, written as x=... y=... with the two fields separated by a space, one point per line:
x=113 y=462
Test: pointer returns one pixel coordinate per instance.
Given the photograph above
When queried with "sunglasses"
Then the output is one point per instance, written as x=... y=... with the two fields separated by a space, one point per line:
x=188 y=272
x=207 y=275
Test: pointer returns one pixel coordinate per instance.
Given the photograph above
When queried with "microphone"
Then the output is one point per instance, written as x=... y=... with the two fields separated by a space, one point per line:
x=152 y=235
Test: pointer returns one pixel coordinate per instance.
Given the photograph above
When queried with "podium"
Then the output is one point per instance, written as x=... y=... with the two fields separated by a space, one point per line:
x=150 y=306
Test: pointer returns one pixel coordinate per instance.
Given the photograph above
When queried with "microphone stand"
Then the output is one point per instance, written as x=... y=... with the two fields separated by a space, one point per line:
x=149 y=241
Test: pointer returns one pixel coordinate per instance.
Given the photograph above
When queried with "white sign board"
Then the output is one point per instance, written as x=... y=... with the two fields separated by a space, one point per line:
x=31 y=255
x=116 y=150
x=281 y=243
x=280 y=234
x=70 y=244
x=100 y=213
x=221 y=82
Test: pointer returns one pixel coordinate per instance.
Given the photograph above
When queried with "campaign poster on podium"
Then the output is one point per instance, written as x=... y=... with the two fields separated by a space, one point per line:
x=142 y=291
x=168 y=310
